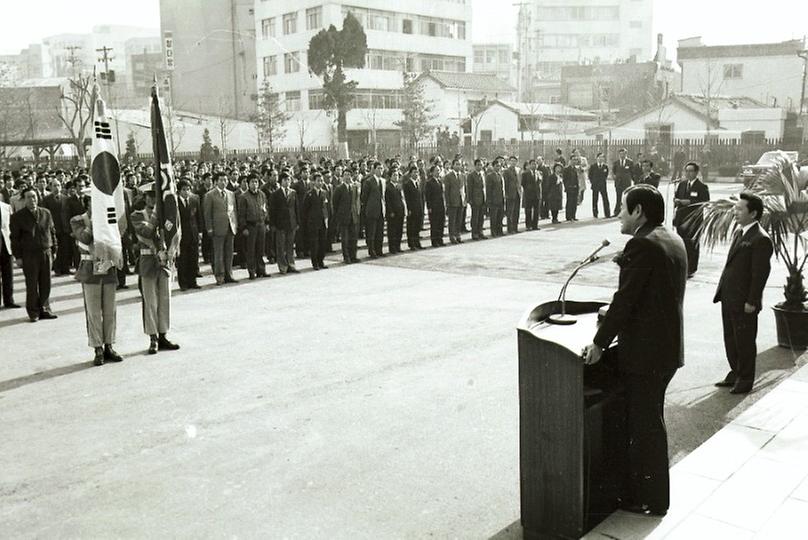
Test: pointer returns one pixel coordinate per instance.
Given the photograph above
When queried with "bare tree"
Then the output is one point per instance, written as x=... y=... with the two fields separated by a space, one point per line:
x=371 y=116
x=225 y=126
x=76 y=112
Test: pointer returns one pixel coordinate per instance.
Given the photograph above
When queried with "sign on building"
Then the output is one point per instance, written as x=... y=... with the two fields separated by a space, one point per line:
x=168 y=48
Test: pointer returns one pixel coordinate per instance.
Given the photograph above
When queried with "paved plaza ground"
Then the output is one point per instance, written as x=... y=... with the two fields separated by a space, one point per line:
x=376 y=400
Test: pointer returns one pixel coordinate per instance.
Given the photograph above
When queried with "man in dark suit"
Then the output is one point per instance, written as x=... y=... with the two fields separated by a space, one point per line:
x=252 y=222
x=687 y=200
x=512 y=195
x=531 y=195
x=301 y=187
x=455 y=201
x=544 y=175
x=495 y=197
x=190 y=224
x=415 y=208
x=284 y=224
x=73 y=206
x=373 y=204
x=740 y=291
x=346 y=216
x=436 y=207
x=648 y=175
x=571 y=189
x=33 y=243
x=598 y=174
x=315 y=210
x=6 y=269
x=646 y=316
x=475 y=190
x=622 y=170
x=394 y=204
x=54 y=203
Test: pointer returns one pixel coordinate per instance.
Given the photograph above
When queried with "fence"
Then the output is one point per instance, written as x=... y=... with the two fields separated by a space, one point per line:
x=722 y=157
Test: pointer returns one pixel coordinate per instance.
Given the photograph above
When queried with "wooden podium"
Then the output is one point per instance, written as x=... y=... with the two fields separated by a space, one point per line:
x=571 y=425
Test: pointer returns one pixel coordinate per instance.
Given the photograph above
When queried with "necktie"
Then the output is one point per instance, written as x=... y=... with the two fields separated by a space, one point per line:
x=736 y=238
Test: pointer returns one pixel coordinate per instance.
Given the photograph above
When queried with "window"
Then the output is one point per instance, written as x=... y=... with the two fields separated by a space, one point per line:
x=406 y=26
x=479 y=56
x=292 y=101
x=314 y=18
x=268 y=28
x=379 y=21
x=635 y=24
x=290 y=23
x=733 y=71
x=270 y=66
x=503 y=57
x=490 y=57
x=291 y=62
x=316 y=100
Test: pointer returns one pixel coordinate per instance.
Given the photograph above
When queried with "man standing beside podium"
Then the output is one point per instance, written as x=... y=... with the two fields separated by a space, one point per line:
x=646 y=317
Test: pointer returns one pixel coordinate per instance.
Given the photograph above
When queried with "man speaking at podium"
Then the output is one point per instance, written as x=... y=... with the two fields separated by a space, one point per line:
x=646 y=317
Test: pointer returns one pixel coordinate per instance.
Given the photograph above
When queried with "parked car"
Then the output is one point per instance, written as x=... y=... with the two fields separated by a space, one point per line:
x=750 y=173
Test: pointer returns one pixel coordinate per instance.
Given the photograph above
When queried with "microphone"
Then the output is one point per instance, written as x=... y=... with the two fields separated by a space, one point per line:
x=563 y=318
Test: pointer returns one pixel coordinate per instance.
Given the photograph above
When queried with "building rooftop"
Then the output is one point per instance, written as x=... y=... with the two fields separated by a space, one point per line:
x=693 y=48
x=547 y=109
x=468 y=81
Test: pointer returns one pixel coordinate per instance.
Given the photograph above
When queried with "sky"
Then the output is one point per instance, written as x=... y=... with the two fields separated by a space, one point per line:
x=28 y=21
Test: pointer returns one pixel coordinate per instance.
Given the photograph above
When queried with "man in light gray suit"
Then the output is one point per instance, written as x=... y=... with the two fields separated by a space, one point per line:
x=455 y=201
x=221 y=224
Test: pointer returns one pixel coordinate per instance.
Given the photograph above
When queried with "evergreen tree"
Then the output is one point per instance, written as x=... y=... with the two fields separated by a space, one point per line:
x=416 y=113
x=130 y=156
x=330 y=52
x=206 y=152
x=271 y=117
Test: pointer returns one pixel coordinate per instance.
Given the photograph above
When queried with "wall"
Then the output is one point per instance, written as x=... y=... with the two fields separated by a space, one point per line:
x=770 y=121
x=214 y=55
x=763 y=78
x=503 y=123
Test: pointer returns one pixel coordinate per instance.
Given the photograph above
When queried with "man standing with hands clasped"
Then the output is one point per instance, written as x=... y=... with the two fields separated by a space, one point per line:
x=646 y=317
x=740 y=291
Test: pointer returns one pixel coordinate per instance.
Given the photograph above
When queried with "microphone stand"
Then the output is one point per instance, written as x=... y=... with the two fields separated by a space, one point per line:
x=564 y=318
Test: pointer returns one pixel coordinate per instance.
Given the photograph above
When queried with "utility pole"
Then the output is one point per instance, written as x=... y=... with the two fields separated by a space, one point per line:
x=521 y=24
x=106 y=58
x=72 y=59
x=804 y=55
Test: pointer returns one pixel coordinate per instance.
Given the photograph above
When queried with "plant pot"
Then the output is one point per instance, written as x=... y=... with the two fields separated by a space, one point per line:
x=792 y=328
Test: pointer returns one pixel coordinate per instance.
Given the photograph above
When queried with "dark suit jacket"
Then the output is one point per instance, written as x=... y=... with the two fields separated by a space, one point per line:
x=372 y=197
x=623 y=175
x=494 y=190
x=393 y=200
x=746 y=271
x=32 y=233
x=413 y=197
x=190 y=219
x=646 y=311
x=315 y=209
x=342 y=205
x=511 y=178
x=284 y=210
x=434 y=196
x=652 y=179
x=698 y=193
x=531 y=187
x=475 y=188
x=598 y=175
x=56 y=207
x=455 y=192
x=570 y=179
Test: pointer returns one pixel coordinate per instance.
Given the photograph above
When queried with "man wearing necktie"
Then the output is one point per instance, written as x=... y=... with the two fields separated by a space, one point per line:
x=6 y=270
x=622 y=170
x=222 y=225
x=740 y=291
x=687 y=200
x=373 y=203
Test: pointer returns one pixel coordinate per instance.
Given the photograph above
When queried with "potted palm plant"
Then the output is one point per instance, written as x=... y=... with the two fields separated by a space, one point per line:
x=784 y=190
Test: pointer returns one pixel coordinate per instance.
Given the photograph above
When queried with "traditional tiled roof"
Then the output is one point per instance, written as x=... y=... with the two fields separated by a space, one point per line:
x=784 y=48
x=698 y=106
x=469 y=81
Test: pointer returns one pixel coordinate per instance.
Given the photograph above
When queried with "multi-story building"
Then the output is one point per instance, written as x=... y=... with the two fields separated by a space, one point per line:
x=213 y=48
x=770 y=73
x=555 y=33
x=495 y=59
x=411 y=36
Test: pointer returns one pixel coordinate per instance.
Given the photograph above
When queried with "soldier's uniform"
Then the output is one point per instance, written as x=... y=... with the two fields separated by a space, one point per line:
x=98 y=287
x=155 y=280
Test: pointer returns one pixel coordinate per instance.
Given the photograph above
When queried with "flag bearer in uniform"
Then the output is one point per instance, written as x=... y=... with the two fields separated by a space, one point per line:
x=155 y=273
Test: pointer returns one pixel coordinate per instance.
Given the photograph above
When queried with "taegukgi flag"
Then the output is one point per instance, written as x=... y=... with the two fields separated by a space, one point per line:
x=106 y=192
x=164 y=187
